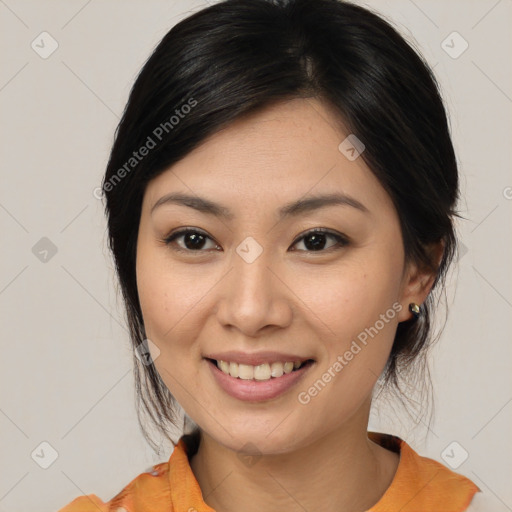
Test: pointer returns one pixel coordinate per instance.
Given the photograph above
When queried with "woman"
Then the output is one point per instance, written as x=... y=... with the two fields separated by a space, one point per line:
x=280 y=200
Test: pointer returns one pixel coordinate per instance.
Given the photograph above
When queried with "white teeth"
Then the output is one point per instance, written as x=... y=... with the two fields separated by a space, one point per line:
x=276 y=369
x=233 y=369
x=264 y=371
x=245 y=371
x=288 y=367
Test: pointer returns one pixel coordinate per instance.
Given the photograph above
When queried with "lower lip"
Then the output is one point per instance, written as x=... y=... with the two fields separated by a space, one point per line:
x=257 y=390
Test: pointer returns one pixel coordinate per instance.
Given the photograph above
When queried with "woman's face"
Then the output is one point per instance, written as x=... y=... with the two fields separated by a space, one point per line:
x=251 y=283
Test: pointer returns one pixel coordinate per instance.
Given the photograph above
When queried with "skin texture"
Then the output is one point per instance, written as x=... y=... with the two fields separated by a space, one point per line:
x=289 y=299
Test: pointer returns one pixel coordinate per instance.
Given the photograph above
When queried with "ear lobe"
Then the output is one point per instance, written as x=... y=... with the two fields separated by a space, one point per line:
x=418 y=281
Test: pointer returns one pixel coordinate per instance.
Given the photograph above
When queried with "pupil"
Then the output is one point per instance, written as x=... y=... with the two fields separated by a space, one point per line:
x=317 y=242
x=197 y=240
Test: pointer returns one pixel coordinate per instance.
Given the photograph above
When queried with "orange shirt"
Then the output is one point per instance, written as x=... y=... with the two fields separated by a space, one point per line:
x=420 y=484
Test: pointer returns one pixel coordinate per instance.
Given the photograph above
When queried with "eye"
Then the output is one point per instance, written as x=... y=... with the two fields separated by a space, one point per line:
x=314 y=240
x=194 y=240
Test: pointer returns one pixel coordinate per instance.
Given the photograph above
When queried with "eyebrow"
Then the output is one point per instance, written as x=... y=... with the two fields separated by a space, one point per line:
x=294 y=208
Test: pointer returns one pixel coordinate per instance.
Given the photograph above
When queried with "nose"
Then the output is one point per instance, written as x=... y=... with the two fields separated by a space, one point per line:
x=254 y=296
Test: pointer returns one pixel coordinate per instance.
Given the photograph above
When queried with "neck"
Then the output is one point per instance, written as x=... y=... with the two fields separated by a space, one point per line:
x=342 y=471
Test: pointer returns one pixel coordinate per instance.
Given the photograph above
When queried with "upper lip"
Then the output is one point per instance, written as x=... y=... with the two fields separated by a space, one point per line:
x=255 y=358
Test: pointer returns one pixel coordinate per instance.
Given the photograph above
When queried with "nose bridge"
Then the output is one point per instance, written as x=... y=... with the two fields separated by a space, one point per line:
x=252 y=297
x=252 y=276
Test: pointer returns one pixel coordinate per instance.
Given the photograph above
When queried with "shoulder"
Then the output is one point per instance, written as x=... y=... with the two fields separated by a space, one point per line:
x=164 y=487
x=422 y=484
x=148 y=492
x=86 y=503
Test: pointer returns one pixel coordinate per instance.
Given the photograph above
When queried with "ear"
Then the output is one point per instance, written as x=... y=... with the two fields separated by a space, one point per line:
x=418 y=281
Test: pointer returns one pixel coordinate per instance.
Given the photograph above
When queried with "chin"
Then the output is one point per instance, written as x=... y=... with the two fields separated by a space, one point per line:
x=257 y=438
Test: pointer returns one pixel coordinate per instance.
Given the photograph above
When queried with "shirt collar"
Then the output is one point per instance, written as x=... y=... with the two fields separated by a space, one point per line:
x=420 y=484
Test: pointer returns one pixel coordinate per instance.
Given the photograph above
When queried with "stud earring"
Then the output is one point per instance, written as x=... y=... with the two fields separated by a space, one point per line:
x=414 y=309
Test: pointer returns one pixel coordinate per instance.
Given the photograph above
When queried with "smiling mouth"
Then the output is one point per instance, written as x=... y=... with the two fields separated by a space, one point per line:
x=261 y=372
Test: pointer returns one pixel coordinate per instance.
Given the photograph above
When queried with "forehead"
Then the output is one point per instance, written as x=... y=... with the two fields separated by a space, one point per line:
x=275 y=155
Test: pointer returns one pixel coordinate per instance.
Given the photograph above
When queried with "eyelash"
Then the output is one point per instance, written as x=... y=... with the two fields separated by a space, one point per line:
x=341 y=241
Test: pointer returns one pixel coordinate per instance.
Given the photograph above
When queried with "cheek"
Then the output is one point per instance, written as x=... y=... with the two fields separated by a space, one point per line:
x=168 y=295
x=174 y=303
x=356 y=311
x=169 y=299
x=350 y=298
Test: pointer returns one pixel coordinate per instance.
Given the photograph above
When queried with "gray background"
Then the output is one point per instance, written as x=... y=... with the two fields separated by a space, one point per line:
x=66 y=364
